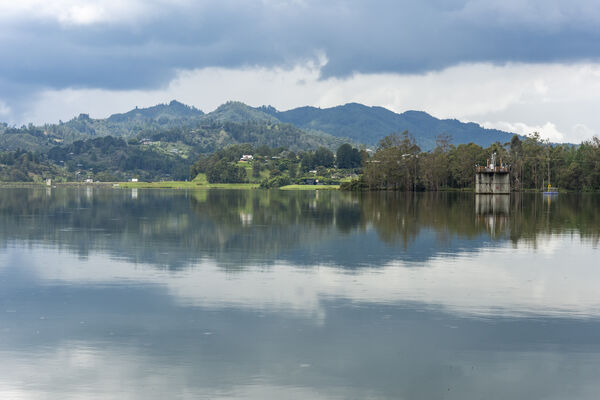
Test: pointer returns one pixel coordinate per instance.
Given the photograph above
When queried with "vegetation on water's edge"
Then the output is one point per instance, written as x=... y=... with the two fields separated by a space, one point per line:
x=399 y=164
x=310 y=187
x=196 y=185
x=294 y=217
x=276 y=167
x=168 y=185
x=185 y=185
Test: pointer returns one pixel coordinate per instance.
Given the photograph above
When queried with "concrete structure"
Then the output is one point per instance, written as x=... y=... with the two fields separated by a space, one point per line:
x=494 y=178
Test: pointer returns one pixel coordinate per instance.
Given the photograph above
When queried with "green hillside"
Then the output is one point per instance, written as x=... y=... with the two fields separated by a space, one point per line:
x=164 y=140
x=368 y=125
x=235 y=111
x=231 y=123
x=235 y=122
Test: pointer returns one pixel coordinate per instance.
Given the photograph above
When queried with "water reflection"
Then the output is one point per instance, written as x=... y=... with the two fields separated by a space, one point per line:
x=111 y=329
x=268 y=294
x=498 y=281
x=176 y=228
x=493 y=211
x=492 y=204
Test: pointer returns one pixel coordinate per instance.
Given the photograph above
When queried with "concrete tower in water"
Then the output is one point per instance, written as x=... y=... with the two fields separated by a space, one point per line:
x=494 y=178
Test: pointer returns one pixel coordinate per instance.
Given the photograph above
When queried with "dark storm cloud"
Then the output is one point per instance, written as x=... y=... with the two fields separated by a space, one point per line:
x=127 y=52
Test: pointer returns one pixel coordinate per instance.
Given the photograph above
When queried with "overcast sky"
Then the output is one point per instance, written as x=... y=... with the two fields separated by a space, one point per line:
x=516 y=65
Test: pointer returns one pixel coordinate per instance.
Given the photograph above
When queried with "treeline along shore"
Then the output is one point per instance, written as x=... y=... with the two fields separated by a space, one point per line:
x=397 y=163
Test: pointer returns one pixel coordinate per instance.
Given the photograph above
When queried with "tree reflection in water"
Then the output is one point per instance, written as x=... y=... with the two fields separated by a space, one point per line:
x=172 y=228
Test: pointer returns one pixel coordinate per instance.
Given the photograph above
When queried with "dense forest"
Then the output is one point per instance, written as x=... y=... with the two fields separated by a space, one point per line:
x=104 y=159
x=158 y=143
x=399 y=164
x=23 y=166
x=235 y=122
x=231 y=123
x=368 y=125
x=155 y=143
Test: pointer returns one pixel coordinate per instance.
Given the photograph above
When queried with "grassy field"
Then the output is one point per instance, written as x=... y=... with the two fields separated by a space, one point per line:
x=202 y=184
x=264 y=173
x=195 y=184
x=310 y=187
x=199 y=182
x=185 y=185
x=20 y=184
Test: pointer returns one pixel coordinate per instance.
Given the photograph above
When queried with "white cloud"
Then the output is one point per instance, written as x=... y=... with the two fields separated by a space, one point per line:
x=74 y=12
x=546 y=131
x=85 y=370
x=583 y=132
x=4 y=109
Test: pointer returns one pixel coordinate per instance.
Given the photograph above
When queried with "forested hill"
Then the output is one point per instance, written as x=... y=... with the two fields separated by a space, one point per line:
x=174 y=115
x=233 y=122
x=368 y=125
x=235 y=111
x=162 y=113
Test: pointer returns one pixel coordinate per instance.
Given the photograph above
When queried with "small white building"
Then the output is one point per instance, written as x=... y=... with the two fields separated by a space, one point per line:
x=247 y=157
x=134 y=179
x=89 y=180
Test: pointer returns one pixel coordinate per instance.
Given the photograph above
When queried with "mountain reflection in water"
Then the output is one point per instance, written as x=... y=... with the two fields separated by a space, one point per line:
x=236 y=228
x=153 y=294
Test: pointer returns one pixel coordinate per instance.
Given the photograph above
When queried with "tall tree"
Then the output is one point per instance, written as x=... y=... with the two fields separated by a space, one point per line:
x=323 y=157
x=347 y=157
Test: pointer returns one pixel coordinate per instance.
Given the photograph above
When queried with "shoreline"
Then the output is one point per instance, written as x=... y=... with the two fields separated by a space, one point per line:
x=195 y=185
x=203 y=185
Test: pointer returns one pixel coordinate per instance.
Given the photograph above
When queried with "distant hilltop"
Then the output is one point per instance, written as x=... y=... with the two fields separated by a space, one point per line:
x=360 y=123
x=353 y=122
x=368 y=125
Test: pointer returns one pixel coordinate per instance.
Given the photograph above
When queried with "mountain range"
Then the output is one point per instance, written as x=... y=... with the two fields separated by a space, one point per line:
x=299 y=128
x=368 y=125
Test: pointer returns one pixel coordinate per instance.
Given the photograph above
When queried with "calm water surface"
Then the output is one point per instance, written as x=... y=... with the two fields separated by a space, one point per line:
x=156 y=294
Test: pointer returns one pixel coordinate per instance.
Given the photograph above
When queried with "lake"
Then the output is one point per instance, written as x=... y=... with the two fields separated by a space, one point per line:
x=251 y=294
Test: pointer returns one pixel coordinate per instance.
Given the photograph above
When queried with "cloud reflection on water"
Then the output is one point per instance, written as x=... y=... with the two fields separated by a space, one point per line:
x=174 y=295
x=495 y=281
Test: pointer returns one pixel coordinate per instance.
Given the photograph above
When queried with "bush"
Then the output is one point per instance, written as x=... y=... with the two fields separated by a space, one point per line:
x=106 y=176
x=226 y=172
x=277 y=181
x=256 y=168
x=355 y=185
x=18 y=176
